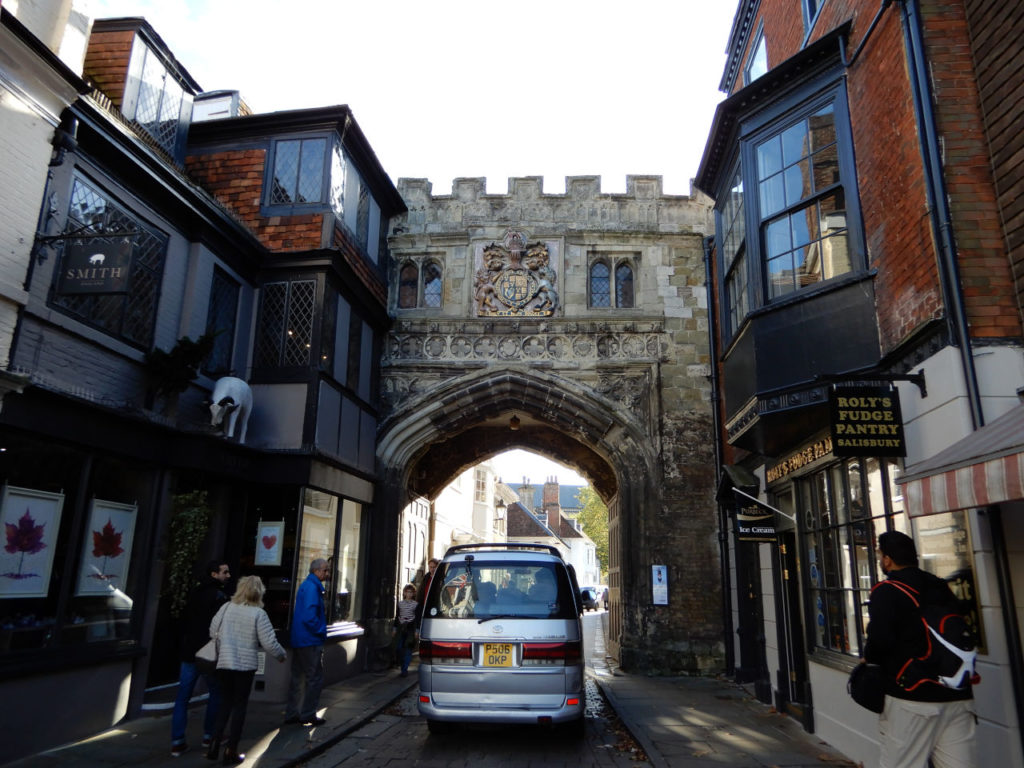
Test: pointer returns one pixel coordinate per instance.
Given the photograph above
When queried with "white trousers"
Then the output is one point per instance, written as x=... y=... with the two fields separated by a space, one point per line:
x=913 y=731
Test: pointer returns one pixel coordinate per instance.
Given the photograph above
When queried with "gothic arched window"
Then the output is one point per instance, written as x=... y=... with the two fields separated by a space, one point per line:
x=408 y=283
x=431 y=284
x=612 y=283
x=600 y=285
x=624 y=286
x=420 y=285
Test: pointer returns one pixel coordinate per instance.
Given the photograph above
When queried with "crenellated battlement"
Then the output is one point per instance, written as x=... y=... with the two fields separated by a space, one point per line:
x=643 y=207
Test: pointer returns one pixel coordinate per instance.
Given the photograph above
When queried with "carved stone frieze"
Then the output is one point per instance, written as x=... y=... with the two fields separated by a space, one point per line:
x=579 y=347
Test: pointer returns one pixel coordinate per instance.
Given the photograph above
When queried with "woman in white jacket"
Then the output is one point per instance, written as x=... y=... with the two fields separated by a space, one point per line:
x=241 y=627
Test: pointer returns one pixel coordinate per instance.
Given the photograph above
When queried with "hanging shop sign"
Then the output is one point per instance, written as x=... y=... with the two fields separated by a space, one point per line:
x=755 y=520
x=96 y=266
x=866 y=421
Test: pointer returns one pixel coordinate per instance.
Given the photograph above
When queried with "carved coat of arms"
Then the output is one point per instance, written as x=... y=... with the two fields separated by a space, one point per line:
x=516 y=279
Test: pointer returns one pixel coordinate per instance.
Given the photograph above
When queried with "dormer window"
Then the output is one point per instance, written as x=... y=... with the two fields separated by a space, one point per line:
x=757 y=64
x=155 y=101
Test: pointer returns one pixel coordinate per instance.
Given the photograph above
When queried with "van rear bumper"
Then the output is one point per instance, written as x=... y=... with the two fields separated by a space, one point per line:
x=500 y=715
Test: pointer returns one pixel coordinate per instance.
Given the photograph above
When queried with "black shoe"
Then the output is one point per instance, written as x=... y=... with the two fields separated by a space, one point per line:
x=293 y=720
x=232 y=758
x=314 y=721
x=214 y=751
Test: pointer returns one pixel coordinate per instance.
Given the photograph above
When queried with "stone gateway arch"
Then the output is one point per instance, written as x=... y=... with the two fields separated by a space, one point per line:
x=584 y=316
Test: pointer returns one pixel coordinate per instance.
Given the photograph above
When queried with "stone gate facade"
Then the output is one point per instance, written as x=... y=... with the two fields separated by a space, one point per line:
x=584 y=316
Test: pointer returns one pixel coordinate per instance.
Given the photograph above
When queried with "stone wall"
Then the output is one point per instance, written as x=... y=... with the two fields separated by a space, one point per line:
x=643 y=368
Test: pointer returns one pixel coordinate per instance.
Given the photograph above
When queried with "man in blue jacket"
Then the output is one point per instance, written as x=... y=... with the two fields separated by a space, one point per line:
x=309 y=632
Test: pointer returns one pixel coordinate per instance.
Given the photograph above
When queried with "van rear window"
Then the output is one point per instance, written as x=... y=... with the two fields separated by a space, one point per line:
x=482 y=590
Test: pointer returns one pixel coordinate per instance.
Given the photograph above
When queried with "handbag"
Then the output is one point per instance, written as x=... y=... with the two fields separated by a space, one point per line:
x=206 y=657
x=866 y=686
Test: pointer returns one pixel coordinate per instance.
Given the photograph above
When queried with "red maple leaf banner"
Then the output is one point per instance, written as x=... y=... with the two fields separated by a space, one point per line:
x=27 y=538
x=107 y=543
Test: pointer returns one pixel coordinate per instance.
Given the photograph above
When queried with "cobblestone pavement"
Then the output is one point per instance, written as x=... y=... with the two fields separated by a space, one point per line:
x=399 y=736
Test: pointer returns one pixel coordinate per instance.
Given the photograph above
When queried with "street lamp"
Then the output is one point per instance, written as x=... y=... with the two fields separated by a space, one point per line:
x=499 y=509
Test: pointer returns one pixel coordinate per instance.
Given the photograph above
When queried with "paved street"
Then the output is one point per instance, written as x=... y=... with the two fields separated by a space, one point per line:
x=399 y=736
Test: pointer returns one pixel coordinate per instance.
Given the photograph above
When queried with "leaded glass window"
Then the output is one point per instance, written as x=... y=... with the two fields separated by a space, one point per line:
x=363 y=217
x=408 y=286
x=131 y=315
x=600 y=285
x=285 y=332
x=623 y=286
x=154 y=100
x=298 y=171
x=220 y=321
x=420 y=285
x=612 y=283
x=431 y=284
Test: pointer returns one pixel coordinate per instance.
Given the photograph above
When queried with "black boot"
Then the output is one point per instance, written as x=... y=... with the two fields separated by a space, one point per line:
x=214 y=751
x=231 y=757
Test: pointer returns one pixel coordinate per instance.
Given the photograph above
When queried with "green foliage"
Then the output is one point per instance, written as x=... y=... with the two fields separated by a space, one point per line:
x=190 y=521
x=593 y=518
x=169 y=373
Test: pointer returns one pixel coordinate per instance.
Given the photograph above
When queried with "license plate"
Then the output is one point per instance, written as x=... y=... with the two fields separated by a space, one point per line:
x=497 y=655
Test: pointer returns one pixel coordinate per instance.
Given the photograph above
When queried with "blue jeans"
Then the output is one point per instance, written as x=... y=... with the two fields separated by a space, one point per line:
x=186 y=685
x=306 y=683
x=406 y=640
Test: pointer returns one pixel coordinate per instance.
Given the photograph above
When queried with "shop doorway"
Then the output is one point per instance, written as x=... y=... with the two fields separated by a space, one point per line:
x=793 y=691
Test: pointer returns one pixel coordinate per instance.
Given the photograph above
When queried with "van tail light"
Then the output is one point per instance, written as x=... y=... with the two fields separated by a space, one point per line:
x=438 y=652
x=552 y=654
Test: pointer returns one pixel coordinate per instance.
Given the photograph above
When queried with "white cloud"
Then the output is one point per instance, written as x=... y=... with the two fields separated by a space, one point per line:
x=467 y=88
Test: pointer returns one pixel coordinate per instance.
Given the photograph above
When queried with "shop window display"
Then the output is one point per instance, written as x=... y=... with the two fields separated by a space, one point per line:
x=843 y=508
x=66 y=565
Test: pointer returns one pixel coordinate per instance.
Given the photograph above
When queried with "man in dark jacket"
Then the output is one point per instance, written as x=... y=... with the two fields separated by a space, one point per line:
x=308 y=635
x=203 y=602
x=922 y=718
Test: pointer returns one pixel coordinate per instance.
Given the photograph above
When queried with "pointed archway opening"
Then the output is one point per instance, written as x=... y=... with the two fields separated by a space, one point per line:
x=427 y=443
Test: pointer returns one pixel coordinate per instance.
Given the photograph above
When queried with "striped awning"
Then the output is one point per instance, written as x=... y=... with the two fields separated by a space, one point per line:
x=984 y=468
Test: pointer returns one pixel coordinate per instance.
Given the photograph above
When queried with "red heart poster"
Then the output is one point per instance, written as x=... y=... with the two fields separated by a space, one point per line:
x=268 y=542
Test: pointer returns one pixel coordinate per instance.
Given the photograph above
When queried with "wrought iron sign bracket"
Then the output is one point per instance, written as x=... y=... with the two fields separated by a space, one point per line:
x=914 y=378
x=44 y=241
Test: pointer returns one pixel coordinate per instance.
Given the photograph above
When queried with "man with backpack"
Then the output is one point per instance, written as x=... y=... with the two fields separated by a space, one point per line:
x=929 y=708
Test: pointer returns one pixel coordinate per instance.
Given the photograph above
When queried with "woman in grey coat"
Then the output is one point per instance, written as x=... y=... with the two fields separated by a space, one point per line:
x=242 y=627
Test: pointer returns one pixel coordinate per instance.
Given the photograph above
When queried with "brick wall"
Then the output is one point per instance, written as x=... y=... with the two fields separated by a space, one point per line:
x=106 y=62
x=890 y=174
x=995 y=41
x=235 y=177
x=986 y=278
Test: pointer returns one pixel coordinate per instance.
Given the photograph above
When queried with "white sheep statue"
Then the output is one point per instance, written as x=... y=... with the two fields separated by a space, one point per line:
x=232 y=403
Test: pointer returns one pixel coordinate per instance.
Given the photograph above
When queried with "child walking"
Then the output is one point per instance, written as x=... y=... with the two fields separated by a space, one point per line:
x=406 y=626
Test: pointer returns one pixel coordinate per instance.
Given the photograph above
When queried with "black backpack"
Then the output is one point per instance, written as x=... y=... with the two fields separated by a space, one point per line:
x=950 y=648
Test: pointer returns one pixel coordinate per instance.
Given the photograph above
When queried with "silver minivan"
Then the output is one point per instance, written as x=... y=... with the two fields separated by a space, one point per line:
x=501 y=639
